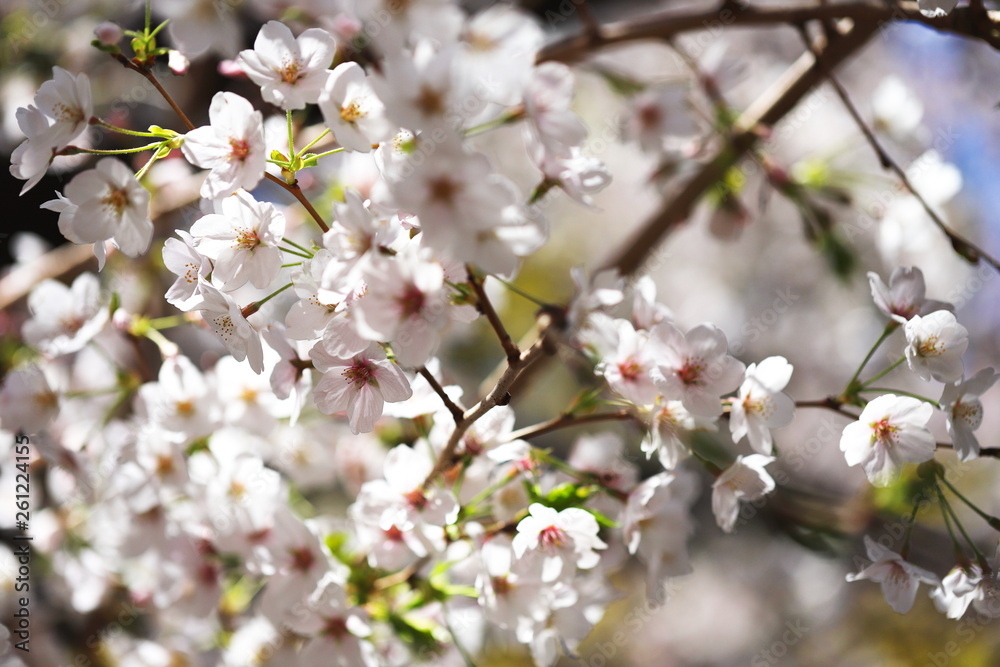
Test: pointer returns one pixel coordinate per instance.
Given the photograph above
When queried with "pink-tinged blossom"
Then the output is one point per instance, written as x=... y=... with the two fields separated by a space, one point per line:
x=891 y=430
x=356 y=231
x=107 y=203
x=337 y=629
x=579 y=175
x=227 y=320
x=421 y=90
x=64 y=318
x=63 y=108
x=628 y=370
x=761 y=405
x=27 y=401
x=295 y=562
x=745 y=480
x=964 y=411
x=242 y=240
x=899 y=578
x=935 y=345
x=659 y=117
x=181 y=401
x=668 y=425
x=190 y=266
x=696 y=367
x=511 y=590
x=360 y=385
x=232 y=146
x=352 y=110
x=562 y=541
x=498 y=52
x=406 y=304
x=657 y=524
x=903 y=297
x=290 y=71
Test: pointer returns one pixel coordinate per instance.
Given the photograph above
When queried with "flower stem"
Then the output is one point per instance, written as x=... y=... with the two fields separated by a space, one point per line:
x=120 y=130
x=291 y=140
x=885 y=372
x=902 y=393
x=991 y=520
x=517 y=290
x=273 y=294
x=294 y=252
x=889 y=328
x=73 y=150
x=314 y=142
x=292 y=243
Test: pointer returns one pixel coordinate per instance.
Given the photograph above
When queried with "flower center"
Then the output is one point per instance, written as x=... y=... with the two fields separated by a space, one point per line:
x=239 y=149
x=501 y=585
x=302 y=559
x=246 y=239
x=552 y=537
x=416 y=499
x=630 y=370
x=930 y=347
x=443 y=190
x=351 y=111
x=690 y=373
x=335 y=627
x=116 y=200
x=430 y=101
x=360 y=374
x=411 y=301
x=393 y=534
x=884 y=432
x=971 y=413
x=292 y=72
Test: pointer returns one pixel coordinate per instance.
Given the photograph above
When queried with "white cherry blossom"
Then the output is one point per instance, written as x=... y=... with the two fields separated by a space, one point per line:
x=696 y=367
x=744 y=480
x=761 y=405
x=903 y=297
x=226 y=318
x=290 y=71
x=231 y=146
x=352 y=110
x=964 y=411
x=65 y=318
x=891 y=430
x=563 y=541
x=935 y=345
x=899 y=578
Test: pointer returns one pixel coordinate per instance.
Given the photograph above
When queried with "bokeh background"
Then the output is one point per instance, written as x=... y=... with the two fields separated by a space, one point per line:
x=773 y=593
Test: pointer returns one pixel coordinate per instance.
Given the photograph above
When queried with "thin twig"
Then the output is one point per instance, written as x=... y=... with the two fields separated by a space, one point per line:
x=485 y=307
x=566 y=421
x=296 y=192
x=828 y=403
x=497 y=396
x=453 y=408
x=149 y=76
x=962 y=246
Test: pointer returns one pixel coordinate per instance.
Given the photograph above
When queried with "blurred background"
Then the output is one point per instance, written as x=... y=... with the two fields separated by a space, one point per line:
x=775 y=592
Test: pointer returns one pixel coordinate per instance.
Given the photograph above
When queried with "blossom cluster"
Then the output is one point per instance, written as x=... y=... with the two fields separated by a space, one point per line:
x=189 y=484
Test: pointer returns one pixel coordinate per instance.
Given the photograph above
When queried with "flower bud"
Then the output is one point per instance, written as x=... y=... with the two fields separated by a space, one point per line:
x=177 y=62
x=108 y=33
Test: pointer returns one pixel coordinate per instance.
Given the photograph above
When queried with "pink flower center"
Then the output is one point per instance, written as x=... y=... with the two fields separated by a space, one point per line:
x=302 y=559
x=630 y=370
x=690 y=373
x=393 y=534
x=416 y=499
x=360 y=374
x=552 y=537
x=239 y=149
x=501 y=585
x=335 y=627
x=411 y=301
x=885 y=432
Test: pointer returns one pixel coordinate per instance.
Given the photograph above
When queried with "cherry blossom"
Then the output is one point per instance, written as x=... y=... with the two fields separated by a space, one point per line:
x=695 y=368
x=903 y=297
x=891 y=430
x=745 y=480
x=190 y=266
x=107 y=202
x=899 y=578
x=964 y=411
x=290 y=71
x=64 y=319
x=27 y=400
x=761 y=405
x=360 y=385
x=563 y=541
x=352 y=110
x=242 y=241
x=232 y=146
x=226 y=318
x=935 y=345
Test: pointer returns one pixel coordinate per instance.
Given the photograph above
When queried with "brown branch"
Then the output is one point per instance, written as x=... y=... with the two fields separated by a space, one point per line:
x=149 y=76
x=828 y=403
x=296 y=192
x=961 y=245
x=484 y=306
x=565 y=421
x=868 y=16
x=456 y=412
x=497 y=396
x=767 y=110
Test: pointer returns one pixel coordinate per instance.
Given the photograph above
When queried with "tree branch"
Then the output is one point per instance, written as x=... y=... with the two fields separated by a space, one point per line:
x=453 y=408
x=565 y=421
x=484 y=306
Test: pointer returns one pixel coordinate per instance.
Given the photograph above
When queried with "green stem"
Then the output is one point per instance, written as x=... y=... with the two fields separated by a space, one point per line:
x=167 y=348
x=285 y=266
x=121 y=130
x=885 y=372
x=293 y=252
x=291 y=140
x=167 y=322
x=285 y=239
x=517 y=290
x=909 y=530
x=273 y=294
x=959 y=552
x=889 y=328
x=145 y=168
x=490 y=490
x=902 y=393
x=972 y=545
x=115 y=151
x=149 y=15
x=585 y=477
x=314 y=141
x=989 y=519
x=502 y=119
x=329 y=152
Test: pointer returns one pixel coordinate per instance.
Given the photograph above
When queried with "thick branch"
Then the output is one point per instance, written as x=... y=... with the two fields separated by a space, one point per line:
x=771 y=107
x=869 y=16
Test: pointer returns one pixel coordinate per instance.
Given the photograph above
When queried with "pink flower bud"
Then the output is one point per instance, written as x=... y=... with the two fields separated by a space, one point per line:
x=108 y=33
x=231 y=68
x=178 y=62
